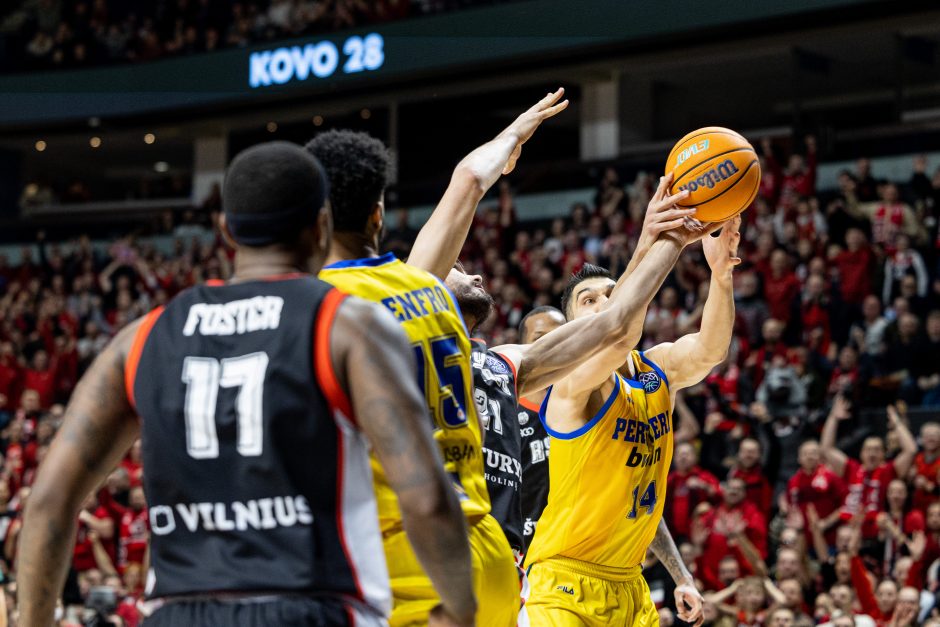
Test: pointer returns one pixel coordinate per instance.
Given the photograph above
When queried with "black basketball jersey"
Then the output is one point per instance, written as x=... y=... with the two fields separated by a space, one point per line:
x=494 y=393
x=256 y=475
x=534 y=468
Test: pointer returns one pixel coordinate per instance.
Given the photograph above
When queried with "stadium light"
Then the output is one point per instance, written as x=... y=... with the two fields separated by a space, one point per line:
x=272 y=127
x=149 y=138
x=365 y=114
x=318 y=120
x=161 y=166
x=94 y=142
x=40 y=145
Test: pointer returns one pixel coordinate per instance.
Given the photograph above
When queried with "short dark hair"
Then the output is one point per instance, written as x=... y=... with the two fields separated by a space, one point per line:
x=587 y=271
x=542 y=309
x=271 y=192
x=357 y=167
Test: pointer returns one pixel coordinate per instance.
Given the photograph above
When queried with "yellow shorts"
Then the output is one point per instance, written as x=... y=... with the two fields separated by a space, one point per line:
x=571 y=593
x=495 y=579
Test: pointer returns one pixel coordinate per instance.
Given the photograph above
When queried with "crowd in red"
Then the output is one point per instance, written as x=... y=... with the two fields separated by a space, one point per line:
x=794 y=498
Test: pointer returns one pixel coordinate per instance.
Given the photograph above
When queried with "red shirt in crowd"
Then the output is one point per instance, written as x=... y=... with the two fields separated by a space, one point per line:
x=83 y=557
x=9 y=380
x=929 y=470
x=717 y=547
x=867 y=491
x=758 y=488
x=855 y=274
x=779 y=293
x=823 y=489
x=135 y=531
x=681 y=499
x=44 y=382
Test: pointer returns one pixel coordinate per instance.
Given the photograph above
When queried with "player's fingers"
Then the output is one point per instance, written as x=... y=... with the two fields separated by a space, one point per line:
x=735 y=261
x=711 y=227
x=672 y=214
x=551 y=98
x=659 y=227
x=553 y=111
x=671 y=200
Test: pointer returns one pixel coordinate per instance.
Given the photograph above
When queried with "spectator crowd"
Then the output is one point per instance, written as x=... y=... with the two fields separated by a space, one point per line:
x=805 y=486
x=51 y=34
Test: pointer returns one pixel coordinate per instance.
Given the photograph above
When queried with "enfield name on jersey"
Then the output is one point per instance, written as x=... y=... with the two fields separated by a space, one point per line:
x=266 y=513
x=237 y=317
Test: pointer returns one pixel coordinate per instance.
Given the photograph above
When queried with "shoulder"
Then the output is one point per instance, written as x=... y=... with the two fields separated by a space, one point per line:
x=512 y=354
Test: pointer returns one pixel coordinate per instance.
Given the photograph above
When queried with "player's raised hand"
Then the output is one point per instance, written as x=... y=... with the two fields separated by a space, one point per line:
x=689 y=604
x=721 y=252
x=524 y=126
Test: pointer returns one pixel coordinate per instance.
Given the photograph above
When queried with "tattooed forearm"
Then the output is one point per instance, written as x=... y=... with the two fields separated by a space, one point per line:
x=664 y=548
x=98 y=428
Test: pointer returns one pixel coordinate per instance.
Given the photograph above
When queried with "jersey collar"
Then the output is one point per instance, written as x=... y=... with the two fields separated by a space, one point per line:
x=363 y=262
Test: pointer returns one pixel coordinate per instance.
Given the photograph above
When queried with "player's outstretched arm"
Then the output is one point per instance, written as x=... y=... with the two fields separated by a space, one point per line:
x=98 y=428
x=688 y=598
x=440 y=240
x=376 y=367
x=585 y=351
x=690 y=358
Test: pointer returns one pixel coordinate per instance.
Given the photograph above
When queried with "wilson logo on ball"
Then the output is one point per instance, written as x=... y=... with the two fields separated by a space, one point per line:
x=694 y=149
x=726 y=169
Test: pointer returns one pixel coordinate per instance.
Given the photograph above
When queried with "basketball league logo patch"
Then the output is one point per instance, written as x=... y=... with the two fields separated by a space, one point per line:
x=650 y=381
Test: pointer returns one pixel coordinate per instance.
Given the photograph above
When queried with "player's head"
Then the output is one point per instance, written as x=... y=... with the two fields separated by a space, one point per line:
x=357 y=167
x=475 y=302
x=274 y=199
x=586 y=291
x=538 y=322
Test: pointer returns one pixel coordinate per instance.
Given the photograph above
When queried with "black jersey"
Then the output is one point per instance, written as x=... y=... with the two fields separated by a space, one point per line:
x=494 y=392
x=534 y=468
x=257 y=478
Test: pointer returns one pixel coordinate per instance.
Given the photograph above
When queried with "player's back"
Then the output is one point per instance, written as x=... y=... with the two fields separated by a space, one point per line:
x=430 y=317
x=256 y=478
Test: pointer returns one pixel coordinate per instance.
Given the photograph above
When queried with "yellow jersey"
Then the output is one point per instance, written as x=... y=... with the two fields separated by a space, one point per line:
x=607 y=479
x=429 y=315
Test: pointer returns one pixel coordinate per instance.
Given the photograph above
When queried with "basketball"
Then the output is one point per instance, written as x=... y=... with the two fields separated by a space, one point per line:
x=719 y=168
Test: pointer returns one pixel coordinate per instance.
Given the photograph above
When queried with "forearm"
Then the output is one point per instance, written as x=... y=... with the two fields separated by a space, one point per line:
x=827 y=439
x=819 y=542
x=104 y=527
x=569 y=347
x=752 y=555
x=102 y=559
x=439 y=242
x=43 y=559
x=714 y=336
x=664 y=548
x=439 y=540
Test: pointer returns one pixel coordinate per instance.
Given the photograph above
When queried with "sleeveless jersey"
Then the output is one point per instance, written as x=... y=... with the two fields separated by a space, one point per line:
x=494 y=394
x=535 y=446
x=429 y=315
x=258 y=478
x=608 y=478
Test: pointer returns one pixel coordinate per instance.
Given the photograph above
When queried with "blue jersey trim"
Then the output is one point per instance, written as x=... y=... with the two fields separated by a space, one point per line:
x=588 y=425
x=631 y=382
x=364 y=262
x=656 y=369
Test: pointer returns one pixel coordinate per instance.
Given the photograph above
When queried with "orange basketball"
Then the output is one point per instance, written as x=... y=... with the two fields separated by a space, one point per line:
x=719 y=168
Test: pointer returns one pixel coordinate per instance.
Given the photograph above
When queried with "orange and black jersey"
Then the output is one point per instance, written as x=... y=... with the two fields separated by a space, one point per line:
x=257 y=476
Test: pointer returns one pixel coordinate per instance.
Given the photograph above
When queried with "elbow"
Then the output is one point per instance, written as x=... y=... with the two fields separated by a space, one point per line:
x=470 y=179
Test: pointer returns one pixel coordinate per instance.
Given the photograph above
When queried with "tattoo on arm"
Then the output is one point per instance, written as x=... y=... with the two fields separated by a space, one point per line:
x=99 y=426
x=664 y=548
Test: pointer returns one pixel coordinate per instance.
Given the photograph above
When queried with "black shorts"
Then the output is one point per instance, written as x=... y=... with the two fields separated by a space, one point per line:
x=283 y=611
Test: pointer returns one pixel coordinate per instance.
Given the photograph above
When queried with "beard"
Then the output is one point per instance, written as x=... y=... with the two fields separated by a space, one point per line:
x=474 y=303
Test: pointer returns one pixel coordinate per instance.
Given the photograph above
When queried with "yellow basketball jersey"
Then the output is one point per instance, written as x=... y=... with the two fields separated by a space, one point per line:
x=607 y=479
x=429 y=315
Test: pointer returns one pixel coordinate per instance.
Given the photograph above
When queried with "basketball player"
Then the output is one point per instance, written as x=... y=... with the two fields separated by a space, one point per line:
x=255 y=399
x=535 y=441
x=611 y=429
x=503 y=374
x=356 y=165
